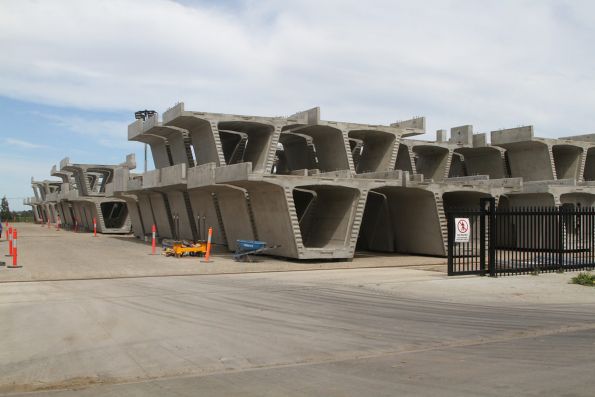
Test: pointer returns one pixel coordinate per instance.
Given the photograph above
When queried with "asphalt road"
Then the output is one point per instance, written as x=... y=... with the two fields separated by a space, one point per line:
x=325 y=333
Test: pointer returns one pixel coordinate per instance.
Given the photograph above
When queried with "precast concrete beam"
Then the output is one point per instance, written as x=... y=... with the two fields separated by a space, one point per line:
x=331 y=146
x=530 y=160
x=218 y=138
x=378 y=151
x=579 y=199
x=537 y=159
x=589 y=164
x=432 y=161
x=128 y=187
x=307 y=217
x=457 y=200
x=457 y=166
x=177 y=141
x=226 y=208
x=411 y=127
x=567 y=161
x=91 y=201
x=157 y=144
x=405 y=159
x=487 y=160
x=298 y=153
x=146 y=212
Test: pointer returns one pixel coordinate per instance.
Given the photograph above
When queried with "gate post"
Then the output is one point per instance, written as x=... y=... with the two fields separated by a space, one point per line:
x=482 y=235
x=492 y=248
x=450 y=242
x=491 y=212
x=560 y=239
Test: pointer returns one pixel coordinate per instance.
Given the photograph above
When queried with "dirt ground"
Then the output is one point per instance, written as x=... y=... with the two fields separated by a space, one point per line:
x=48 y=254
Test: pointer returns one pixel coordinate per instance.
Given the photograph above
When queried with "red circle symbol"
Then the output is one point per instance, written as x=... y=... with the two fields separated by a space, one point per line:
x=463 y=226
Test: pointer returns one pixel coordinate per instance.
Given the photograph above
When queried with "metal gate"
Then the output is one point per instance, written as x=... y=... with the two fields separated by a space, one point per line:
x=469 y=257
x=520 y=240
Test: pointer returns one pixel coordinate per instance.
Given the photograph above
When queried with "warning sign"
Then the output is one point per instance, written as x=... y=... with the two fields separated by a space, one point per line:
x=462 y=230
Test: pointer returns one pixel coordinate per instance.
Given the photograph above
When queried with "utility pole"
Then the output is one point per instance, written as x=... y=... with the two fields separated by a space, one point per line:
x=143 y=115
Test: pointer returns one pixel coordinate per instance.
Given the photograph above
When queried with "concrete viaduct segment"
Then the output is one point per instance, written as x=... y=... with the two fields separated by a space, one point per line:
x=90 y=201
x=315 y=189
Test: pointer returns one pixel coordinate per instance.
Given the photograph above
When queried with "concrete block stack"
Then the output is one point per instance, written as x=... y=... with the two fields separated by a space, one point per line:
x=316 y=189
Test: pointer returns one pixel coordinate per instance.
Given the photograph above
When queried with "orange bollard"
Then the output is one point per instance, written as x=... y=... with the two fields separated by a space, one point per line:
x=14 y=247
x=94 y=227
x=9 y=240
x=153 y=242
x=208 y=253
x=14 y=251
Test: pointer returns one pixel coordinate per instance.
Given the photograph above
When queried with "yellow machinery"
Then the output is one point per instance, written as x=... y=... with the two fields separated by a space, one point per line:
x=179 y=249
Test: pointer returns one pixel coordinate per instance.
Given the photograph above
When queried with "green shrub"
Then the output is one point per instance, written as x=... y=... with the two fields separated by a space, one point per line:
x=584 y=279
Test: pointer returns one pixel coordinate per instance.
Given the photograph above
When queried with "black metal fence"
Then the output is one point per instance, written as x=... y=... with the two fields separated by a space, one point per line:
x=520 y=240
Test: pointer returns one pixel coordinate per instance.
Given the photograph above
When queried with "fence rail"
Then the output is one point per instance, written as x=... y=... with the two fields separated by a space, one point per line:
x=522 y=240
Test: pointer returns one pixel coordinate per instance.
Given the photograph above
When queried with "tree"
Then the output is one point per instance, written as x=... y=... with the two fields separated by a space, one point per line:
x=4 y=209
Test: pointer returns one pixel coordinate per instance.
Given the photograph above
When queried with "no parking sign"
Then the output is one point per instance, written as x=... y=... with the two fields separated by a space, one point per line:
x=462 y=230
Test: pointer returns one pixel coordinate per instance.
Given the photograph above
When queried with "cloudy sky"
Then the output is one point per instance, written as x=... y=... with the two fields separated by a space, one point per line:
x=72 y=72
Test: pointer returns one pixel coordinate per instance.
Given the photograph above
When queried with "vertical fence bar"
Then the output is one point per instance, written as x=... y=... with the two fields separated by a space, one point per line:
x=590 y=235
x=450 y=240
x=482 y=240
x=560 y=240
x=492 y=237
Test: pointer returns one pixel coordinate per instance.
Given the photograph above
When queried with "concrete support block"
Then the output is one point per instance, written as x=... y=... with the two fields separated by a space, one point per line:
x=511 y=135
x=177 y=203
x=462 y=135
x=146 y=212
x=132 y=203
x=203 y=206
x=162 y=214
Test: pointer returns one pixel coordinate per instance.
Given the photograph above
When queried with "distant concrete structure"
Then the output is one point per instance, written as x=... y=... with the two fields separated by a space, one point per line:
x=313 y=188
x=80 y=197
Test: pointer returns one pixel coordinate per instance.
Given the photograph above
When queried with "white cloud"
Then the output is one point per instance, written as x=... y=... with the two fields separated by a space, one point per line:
x=16 y=171
x=22 y=144
x=106 y=133
x=94 y=128
x=492 y=64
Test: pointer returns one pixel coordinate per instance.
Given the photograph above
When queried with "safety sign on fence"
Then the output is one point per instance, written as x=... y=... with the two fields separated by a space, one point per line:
x=462 y=230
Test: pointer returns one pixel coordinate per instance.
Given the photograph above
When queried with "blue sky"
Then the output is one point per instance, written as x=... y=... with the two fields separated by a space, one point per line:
x=74 y=71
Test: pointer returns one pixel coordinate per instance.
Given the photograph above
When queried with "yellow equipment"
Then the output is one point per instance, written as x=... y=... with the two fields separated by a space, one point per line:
x=179 y=249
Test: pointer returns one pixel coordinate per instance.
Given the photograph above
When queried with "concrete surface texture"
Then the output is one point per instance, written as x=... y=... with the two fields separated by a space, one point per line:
x=349 y=332
x=48 y=254
x=316 y=189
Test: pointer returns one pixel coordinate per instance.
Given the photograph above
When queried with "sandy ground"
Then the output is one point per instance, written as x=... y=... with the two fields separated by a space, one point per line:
x=47 y=254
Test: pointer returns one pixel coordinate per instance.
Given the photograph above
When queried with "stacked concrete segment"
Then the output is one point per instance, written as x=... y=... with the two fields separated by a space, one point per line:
x=314 y=189
x=319 y=189
x=81 y=197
